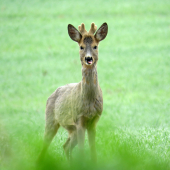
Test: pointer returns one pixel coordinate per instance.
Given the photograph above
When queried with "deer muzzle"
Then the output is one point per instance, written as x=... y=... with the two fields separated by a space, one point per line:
x=89 y=60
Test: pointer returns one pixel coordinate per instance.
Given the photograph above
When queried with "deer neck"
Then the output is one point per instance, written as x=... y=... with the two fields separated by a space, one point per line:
x=89 y=84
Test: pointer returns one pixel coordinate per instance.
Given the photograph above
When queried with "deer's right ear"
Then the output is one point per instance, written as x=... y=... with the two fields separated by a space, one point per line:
x=101 y=32
x=74 y=33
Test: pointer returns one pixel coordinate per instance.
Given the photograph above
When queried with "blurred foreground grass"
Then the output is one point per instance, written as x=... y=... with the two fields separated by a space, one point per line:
x=37 y=56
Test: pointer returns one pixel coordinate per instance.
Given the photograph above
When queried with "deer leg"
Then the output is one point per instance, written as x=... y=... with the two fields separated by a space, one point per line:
x=91 y=131
x=66 y=147
x=81 y=134
x=81 y=137
x=91 y=138
x=70 y=143
x=73 y=142
x=50 y=131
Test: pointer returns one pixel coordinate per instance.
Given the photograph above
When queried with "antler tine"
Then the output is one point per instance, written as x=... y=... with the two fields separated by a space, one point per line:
x=82 y=29
x=93 y=28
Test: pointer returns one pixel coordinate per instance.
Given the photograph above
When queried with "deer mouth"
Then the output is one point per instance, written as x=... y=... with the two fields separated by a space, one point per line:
x=89 y=60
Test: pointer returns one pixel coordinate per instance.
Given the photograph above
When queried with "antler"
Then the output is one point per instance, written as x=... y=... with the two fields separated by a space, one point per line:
x=93 y=28
x=82 y=29
x=91 y=31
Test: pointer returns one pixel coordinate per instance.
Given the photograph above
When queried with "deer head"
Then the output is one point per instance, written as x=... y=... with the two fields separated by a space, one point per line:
x=88 y=42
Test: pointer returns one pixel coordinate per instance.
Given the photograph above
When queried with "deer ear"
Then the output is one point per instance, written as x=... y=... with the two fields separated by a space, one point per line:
x=101 y=32
x=74 y=33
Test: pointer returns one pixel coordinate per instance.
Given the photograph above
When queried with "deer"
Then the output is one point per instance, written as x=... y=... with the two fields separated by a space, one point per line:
x=77 y=107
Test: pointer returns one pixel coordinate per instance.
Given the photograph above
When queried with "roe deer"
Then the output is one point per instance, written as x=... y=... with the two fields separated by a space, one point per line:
x=78 y=106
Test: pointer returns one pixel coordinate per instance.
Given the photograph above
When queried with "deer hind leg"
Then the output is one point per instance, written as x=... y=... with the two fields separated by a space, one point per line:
x=50 y=131
x=71 y=141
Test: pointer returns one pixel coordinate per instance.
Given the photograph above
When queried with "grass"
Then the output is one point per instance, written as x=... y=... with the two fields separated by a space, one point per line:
x=37 y=56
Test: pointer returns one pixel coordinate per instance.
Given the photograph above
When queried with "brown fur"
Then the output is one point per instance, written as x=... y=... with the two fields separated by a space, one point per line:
x=78 y=106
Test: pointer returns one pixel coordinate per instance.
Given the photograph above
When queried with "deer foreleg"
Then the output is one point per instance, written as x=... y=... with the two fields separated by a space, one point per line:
x=81 y=134
x=91 y=131
x=81 y=138
x=91 y=137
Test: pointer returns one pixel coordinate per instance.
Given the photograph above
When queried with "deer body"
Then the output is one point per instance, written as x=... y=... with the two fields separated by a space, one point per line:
x=78 y=106
x=77 y=99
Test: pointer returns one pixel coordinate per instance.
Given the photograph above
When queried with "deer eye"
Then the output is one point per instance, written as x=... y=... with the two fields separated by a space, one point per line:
x=95 y=47
x=81 y=48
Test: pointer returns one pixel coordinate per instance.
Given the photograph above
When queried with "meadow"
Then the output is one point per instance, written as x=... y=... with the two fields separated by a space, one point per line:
x=37 y=56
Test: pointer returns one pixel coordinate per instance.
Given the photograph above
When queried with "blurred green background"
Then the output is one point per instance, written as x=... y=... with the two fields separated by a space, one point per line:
x=37 y=56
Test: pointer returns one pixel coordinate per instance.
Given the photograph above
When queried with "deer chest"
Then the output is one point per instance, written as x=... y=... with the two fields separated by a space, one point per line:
x=91 y=108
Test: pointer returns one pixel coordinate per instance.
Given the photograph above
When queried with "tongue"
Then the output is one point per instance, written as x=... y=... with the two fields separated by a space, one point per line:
x=90 y=62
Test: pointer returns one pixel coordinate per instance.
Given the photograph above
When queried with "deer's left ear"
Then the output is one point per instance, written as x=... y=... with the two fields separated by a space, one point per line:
x=74 y=33
x=101 y=32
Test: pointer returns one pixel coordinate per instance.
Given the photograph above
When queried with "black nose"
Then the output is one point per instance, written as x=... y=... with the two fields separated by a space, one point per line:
x=88 y=58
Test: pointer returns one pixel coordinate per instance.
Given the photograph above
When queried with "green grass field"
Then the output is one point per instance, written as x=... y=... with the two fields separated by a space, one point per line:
x=37 y=56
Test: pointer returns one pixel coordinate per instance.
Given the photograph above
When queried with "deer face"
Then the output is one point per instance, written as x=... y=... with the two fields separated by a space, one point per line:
x=88 y=42
x=88 y=50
